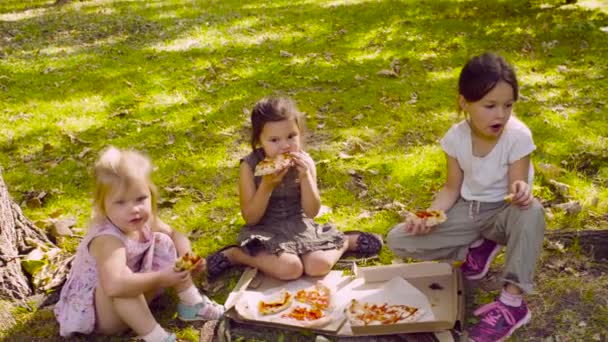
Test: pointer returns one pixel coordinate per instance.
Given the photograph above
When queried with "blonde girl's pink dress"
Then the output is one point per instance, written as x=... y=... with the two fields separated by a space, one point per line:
x=75 y=310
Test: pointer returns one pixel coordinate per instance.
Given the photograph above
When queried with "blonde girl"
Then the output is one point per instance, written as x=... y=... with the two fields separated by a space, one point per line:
x=126 y=258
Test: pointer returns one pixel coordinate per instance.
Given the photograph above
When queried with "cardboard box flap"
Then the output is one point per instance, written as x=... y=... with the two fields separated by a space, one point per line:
x=409 y=271
x=240 y=287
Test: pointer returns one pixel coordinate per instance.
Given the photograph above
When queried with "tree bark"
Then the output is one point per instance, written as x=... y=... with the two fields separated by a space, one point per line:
x=18 y=236
x=593 y=242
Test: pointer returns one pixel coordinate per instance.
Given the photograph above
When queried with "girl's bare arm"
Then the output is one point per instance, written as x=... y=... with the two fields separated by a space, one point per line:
x=117 y=279
x=450 y=192
x=311 y=200
x=518 y=182
x=254 y=201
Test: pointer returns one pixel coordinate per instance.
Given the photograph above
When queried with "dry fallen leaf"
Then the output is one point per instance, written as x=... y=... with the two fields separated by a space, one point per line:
x=343 y=155
x=570 y=208
x=387 y=73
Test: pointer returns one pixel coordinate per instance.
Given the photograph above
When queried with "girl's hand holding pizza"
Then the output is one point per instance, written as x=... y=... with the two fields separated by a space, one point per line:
x=522 y=194
x=417 y=227
x=302 y=162
x=274 y=179
x=200 y=267
x=169 y=277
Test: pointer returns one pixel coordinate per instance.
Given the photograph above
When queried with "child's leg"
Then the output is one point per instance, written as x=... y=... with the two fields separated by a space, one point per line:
x=447 y=241
x=193 y=305
x=285 y=266
x=522 y=232
x=319 y=263
x=116 y=315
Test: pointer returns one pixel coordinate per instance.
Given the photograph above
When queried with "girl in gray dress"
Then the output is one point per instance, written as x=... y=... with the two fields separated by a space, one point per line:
x=280 y=237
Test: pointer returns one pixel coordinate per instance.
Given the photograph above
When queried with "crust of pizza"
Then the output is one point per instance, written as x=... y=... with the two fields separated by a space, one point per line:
x=277 y=304
x=187 y=262
x=433 y=217
x=272 y=165
x=359 y=313
x=318 y=296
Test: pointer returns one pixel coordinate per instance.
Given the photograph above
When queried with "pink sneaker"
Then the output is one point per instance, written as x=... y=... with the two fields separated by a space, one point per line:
x=498 y=321
x=478 y=261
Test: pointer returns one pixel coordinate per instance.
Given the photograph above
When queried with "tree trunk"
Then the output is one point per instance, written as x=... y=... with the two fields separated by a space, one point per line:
x=18 y=236
x=593 y=242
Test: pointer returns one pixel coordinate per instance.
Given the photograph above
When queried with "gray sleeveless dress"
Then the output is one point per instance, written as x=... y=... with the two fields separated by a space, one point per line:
x=284 y=226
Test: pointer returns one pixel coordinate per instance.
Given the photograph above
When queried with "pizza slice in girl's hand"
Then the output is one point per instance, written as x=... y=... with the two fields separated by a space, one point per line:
x=433 y=217
x=276 y=304
x=187 y=262
x=272 y=165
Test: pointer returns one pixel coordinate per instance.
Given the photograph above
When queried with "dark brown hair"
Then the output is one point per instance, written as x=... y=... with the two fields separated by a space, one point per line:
x=481 y=74
x=272 y=109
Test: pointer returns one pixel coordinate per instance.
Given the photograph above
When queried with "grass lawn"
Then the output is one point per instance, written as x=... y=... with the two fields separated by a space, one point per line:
x=177 y=79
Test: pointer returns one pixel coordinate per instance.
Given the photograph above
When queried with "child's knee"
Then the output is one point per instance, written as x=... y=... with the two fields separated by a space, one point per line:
x=290 y=268
x=397 y=238
x=163 y=242
x=533 y=219
x=164 y=251
x=317 y=267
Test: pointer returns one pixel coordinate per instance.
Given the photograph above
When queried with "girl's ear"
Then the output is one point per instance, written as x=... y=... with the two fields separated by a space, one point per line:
x=462 y=102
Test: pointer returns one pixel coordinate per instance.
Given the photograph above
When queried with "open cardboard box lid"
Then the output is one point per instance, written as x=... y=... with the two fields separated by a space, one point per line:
x=440 y=282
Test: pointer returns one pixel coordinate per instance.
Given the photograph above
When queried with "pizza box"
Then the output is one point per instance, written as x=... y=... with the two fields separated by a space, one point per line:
x=440 y=283
x=436 y=287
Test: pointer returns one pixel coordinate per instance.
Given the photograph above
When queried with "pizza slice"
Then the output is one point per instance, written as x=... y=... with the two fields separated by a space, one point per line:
x=360 y=313
x=432 y=217
x=187 y=262
x=509 y=198
x=281 y=302
x=272 y=165
x=306 y=317
x=318 y=296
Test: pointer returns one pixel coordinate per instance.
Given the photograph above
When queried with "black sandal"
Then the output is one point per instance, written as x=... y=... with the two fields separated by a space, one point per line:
x=367 y=243
x=217 y=262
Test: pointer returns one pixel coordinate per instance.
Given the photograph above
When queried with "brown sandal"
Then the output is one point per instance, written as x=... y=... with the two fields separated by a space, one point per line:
x=367 y=243
x=217 y=262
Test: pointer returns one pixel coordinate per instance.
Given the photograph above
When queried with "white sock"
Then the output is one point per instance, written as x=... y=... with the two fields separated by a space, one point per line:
x=510 y=299
x=158 y=334
x=190 y=296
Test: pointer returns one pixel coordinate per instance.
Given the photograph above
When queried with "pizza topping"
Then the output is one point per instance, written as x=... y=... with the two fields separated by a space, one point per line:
x=187 y=262
x=302 y=313
x=317 y=296
x=367 y=313
x=431 y=217
x=428 y=213
x=276 y=305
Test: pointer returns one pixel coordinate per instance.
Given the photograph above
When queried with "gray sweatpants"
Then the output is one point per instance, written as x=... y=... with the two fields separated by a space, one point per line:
x=520 y=230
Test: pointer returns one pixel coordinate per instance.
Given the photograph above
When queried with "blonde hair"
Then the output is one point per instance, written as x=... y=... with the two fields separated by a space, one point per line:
x=117 y=169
